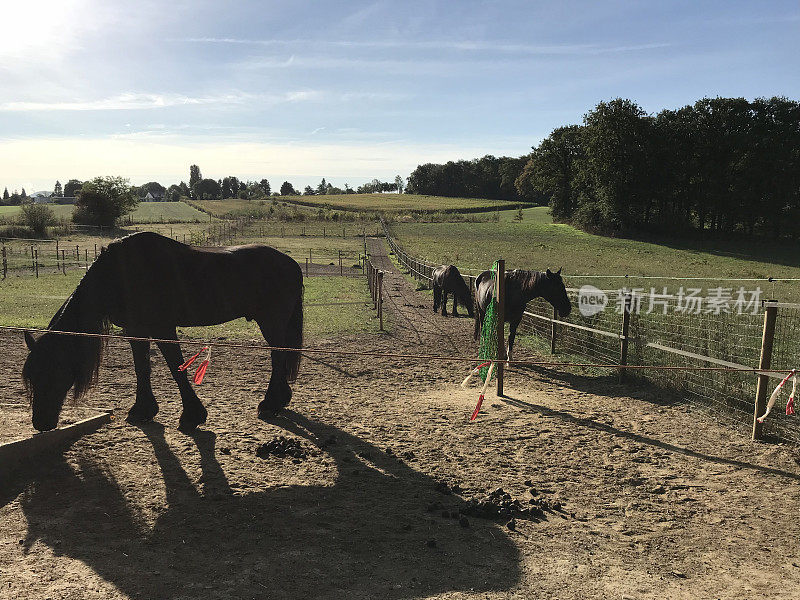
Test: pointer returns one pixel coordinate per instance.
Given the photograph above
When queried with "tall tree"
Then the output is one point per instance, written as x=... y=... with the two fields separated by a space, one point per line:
x=398 y=181
x=72 y=187
x=227 y=192
x=552 y=171
x=194 y=176
x=287 y=189
x=264 y=185
x=57 y=191
x=5 y=194
x=207 y=189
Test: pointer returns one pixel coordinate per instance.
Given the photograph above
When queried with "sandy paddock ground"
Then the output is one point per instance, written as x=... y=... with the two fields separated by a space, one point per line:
x=656 y=500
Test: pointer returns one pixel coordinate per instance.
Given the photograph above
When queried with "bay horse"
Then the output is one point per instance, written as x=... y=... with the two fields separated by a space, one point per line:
x=521 y=288
x=148 y=285
x=448 y=280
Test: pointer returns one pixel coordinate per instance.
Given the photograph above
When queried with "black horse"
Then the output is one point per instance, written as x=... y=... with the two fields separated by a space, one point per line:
x=447 y=280
x=521 y=287
x=149 y=284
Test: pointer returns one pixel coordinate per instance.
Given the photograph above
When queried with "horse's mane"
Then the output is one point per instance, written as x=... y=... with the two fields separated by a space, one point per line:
x=526 y=280
x=81 y=312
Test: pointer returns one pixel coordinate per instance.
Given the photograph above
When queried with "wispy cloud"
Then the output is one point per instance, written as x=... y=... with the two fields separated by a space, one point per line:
x=466 y=46
x=144 y=101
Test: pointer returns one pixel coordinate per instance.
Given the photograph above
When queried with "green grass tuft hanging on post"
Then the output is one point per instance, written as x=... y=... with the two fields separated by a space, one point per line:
x=488 y=344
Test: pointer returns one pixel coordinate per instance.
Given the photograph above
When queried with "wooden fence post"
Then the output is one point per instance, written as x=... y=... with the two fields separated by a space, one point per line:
x=95 y=249
x=306 y=266
x=56 y=251
x=553 y=332
x=380 y=299
x=770 y=316
x=86 y=257
x=500 y=294
x=341 y=269
x=36 y=262
x=626 y=327
x=5 y=263
x=63 y=261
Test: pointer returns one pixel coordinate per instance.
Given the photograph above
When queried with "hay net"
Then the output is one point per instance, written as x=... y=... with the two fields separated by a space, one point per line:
x=488 y=341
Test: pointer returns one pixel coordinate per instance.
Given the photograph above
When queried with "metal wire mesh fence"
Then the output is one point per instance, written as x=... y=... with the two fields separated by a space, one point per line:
x=681 y=329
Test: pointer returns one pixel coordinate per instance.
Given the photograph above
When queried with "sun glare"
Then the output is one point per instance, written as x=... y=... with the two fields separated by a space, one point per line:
x=39 y=26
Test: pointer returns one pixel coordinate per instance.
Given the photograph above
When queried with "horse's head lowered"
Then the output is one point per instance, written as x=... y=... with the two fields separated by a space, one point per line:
x=556 y=293
x=48 y=375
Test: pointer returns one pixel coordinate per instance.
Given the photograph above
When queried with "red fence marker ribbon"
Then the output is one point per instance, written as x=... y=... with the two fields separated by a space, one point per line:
x=477 y=408
x=189 y=362
x=483 y=393
x=474 y=372
x=777 y=391
x=201 y=370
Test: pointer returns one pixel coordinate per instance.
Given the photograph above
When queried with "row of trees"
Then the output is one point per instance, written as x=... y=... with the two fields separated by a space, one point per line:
x=487 y=177
x=721 y=165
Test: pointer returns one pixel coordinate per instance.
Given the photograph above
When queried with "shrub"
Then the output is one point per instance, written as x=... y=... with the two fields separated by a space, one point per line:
x=103 y=200
x=38 y=217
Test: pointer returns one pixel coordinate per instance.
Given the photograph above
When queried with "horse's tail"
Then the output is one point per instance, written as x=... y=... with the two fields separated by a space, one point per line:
x=477 y=315
x=294 y=337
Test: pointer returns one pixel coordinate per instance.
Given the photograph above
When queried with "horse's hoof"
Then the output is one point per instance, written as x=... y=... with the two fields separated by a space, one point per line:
x=189 y=421
x=139 y=414
x=268 y=414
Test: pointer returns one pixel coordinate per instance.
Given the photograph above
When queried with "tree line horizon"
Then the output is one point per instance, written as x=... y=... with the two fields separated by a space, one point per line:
x=724 y=165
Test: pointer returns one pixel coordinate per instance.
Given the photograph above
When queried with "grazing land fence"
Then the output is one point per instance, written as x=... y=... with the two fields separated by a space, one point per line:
x=669 y=330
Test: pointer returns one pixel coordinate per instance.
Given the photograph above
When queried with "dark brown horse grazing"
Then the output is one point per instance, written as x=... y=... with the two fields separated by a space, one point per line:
x=521 y=287
x=448 y=280
x=149 y=284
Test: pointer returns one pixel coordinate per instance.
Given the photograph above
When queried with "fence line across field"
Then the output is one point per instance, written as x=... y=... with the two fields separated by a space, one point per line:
x=425 y=357
x=672 y=339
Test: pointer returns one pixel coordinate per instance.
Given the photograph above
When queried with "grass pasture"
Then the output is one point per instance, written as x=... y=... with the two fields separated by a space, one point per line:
x=145 y=212
x=360 y=202
x=401 y=202
x=31 y=302
x=538 y=243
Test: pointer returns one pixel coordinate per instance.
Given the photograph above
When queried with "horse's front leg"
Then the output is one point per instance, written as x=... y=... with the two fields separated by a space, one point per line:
x=512 y=333
x=437 y=295
x=145 y=407
x=444 y=302
x=194 y=413
x=455 y=305
x=279 y=393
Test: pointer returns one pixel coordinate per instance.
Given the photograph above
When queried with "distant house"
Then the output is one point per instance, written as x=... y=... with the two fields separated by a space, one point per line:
x=150 y=197
x=49 y=198
x=42 y=197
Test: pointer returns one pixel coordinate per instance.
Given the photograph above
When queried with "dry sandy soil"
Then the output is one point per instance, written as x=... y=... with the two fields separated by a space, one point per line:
x=657 y=500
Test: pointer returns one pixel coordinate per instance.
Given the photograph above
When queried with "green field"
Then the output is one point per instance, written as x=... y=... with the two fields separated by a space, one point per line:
x=31 y=302
x=537 y=243
x=146 y=212
x=62 y=211
x=360 y=202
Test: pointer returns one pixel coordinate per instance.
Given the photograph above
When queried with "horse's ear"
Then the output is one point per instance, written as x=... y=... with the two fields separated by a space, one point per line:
x=549 y=273
x=559 y=271
x=29 y=341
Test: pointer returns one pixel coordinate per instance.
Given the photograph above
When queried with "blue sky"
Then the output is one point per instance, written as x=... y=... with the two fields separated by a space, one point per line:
x=352 y=90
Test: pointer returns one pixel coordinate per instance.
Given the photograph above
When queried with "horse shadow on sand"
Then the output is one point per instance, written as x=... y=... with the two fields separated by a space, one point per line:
x=368 y=535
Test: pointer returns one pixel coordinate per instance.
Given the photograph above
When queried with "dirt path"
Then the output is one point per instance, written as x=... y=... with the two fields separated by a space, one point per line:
x=654 y=500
